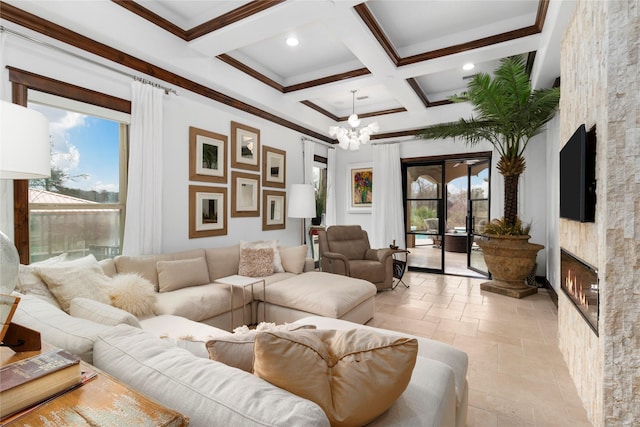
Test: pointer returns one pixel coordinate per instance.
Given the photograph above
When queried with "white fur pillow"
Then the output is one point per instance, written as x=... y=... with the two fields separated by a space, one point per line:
x=133 y=293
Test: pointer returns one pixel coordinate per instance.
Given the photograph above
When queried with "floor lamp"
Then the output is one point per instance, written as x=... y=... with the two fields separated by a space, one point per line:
x=302 y=204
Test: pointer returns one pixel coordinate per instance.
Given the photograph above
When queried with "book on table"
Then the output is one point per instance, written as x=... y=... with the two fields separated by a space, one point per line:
x=32 y=380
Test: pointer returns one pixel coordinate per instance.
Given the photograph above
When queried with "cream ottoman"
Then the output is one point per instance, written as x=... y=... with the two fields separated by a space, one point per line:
x=317 y=293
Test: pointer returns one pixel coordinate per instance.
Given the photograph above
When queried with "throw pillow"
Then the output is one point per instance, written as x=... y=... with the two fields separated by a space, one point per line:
x=237 y=349
x=256 y=262
x=101 y=313
x=30 y=283
x=265 y=244
x=182 y=273
x=354 y=375
x=293 y=258
x=133 y=293
x=73 y=280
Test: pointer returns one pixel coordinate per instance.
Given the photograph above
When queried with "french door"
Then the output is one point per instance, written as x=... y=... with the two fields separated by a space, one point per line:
x=478 y=212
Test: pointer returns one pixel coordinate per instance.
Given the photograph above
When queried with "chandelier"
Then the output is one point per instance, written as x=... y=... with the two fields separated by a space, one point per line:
x=350 y=139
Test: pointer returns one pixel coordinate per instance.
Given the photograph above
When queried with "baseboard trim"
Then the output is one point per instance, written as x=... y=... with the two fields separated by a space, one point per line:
x=552 y=292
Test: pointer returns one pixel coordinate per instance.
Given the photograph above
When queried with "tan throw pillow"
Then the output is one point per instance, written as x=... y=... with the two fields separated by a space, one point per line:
x=133 y=293
x=266 y=244
x=256 y=262
x=182 y=273
x=85 y=281
x=237 y=349
x=293 y=258
x=354 y=376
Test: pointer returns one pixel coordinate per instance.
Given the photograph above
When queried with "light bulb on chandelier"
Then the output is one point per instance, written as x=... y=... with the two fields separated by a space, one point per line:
x=350 y=139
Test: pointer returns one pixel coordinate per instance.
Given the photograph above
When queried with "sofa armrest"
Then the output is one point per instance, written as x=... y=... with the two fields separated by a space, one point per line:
x=333 y=262
x=378 y=254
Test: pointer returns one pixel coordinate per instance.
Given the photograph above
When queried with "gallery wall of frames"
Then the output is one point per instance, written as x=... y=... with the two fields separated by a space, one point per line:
x=256 y=180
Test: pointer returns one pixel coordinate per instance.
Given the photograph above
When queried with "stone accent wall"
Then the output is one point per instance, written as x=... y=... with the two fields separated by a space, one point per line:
x=600 y=81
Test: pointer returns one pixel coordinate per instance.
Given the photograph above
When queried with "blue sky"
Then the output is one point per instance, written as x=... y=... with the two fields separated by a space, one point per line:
x=84 y=145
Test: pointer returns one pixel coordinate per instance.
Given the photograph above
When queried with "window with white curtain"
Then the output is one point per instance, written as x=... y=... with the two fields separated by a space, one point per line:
x=81 y=208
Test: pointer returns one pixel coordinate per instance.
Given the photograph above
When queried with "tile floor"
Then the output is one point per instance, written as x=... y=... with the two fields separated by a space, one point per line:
x=517 y=376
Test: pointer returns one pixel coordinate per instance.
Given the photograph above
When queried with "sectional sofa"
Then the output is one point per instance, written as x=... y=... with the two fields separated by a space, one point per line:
x=164 y=355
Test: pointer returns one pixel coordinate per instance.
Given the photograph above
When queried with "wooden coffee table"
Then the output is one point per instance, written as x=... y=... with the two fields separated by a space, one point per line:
x=102 y=401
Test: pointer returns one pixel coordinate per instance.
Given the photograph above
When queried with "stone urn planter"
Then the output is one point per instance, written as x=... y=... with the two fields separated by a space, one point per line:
x=509 y=259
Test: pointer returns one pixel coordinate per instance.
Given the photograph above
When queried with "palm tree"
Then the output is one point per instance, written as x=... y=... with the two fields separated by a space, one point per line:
x=508 y=113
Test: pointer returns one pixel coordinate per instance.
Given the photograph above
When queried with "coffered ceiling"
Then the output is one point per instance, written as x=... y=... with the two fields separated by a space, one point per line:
x=404 y=58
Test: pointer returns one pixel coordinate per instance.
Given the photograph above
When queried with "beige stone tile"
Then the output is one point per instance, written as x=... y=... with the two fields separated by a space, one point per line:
x=469 y=299
x=458 y=327
x=444 y=336
x=497 y=338
x=531 y=369
x=438 y=299
x=457 y=306
x=477 y=417
x=506 y=409
x=444 y=313
x=403 y=311
x=480 y=353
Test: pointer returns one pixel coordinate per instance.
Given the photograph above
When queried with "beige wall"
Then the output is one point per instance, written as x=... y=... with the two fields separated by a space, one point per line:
x=600 y=85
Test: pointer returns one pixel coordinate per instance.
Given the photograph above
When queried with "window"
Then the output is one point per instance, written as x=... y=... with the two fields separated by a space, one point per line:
x=320 y=185
x=80 y=209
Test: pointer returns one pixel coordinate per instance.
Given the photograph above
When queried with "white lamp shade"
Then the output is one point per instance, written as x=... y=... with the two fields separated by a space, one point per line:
x=25 y=152
x=302 y=201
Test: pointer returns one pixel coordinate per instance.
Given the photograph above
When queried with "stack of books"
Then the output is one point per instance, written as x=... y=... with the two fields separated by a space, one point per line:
x=30 y=381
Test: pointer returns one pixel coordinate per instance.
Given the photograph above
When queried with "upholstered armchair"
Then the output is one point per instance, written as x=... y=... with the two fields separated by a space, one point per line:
x=345 y=250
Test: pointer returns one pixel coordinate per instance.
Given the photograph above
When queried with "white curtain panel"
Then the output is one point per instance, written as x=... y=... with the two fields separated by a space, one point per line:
x=330 y=208
x=143 y=223
x=308 y=161
x=387 y=212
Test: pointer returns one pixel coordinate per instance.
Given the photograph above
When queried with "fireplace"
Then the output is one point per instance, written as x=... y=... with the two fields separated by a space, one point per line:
x=579 y=281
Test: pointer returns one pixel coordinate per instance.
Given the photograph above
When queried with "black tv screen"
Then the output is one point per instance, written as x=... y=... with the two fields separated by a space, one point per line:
x=577 y=176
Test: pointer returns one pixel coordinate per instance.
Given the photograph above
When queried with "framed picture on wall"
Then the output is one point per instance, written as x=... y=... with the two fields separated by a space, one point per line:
x=207 y=211
x=274 y=167
x=273 y=210
x=207 y=156
x=245 y=147
x=360 y=176
x=245 y=194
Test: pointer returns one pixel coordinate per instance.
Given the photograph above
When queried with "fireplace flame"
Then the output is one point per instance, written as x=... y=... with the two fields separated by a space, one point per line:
x=575 y=288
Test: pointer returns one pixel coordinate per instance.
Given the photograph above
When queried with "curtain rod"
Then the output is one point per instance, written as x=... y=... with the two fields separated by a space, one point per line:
x=167 y=90
x=331 y=146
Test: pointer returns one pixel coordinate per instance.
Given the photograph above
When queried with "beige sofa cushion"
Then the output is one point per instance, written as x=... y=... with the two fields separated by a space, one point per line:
x=353 y=375
x=293 y=258
x=319 y=293
x=237 y=349
x=196 y=302
x=145 y=265
x=98 y=312
x=222 y=262
x=208 y=392
x=180 y=274
x=58 y=328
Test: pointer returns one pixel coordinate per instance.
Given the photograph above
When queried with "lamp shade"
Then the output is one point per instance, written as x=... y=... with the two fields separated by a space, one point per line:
x=25 y=152
x=302 y=201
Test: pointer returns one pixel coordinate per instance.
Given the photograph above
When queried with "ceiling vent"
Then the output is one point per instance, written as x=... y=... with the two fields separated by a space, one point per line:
x=360 y=98
x=470 y=76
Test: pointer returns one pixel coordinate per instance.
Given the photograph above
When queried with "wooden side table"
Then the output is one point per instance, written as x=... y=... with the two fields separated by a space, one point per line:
x=103 y=401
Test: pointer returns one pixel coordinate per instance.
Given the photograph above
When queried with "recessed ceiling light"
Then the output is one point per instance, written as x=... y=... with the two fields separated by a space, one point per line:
x=468 y=66
x=292 y=41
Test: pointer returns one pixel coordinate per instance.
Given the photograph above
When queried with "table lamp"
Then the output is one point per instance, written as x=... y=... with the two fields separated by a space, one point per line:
x=302 y=204
x=25 y=153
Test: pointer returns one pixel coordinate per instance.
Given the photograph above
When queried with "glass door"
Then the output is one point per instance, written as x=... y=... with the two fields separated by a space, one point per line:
x=478 y=212
x=424 y=214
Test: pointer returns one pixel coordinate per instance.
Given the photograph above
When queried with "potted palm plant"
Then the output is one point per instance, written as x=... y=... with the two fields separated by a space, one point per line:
x=507 y=113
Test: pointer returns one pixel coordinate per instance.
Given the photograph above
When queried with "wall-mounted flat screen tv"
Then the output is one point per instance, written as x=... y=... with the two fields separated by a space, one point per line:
x=578 y=176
